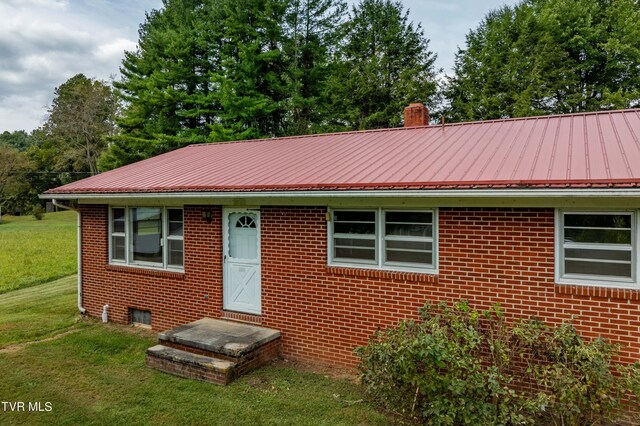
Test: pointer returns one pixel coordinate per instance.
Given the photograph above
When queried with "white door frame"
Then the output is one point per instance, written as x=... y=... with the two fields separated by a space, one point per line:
x=228 y=262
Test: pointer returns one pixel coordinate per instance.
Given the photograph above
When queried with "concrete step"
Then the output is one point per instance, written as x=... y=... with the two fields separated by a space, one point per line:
x=190 y=365
x=189 y=350
x=213 y=337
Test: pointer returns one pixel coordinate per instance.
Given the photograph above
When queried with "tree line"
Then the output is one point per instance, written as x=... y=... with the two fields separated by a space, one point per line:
x=217 y=70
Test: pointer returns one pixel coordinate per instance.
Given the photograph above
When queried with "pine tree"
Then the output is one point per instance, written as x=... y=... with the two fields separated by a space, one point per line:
x=250 y=87
x=166 y=83
x=313 y=30
x=385 y=64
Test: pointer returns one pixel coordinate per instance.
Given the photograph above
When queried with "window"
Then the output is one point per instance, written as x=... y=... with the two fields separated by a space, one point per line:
x=597 y=248
x=175 y=238
x=140 y=317
x=118 y=223
x=381 y=238
x=147 y=236
x=408 y=238
x=354 y=236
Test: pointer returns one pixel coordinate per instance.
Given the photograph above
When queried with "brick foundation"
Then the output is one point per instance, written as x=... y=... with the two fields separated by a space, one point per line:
x=190 y=371
x=486 y=255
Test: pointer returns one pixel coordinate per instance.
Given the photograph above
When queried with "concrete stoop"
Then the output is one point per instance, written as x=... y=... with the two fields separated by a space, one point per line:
x=213 y=350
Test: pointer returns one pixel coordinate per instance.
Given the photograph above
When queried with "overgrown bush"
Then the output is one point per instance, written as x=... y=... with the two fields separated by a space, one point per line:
x=459 y=366
x=38 y=212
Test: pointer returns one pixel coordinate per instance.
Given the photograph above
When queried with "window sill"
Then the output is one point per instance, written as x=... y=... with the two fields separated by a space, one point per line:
x=424 y=277
x=597 y=291
x=145 y=271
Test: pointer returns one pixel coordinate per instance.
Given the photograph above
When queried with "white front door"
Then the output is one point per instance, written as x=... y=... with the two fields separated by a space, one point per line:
x=241 y=287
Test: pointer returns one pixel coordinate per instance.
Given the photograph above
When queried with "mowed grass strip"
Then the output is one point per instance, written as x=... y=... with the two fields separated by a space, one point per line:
x=36 y=251
x=36 y=313
x=97 y=375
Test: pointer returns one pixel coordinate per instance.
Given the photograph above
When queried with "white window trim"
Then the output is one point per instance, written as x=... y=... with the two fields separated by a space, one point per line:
x=595 y=280
x=379 y=264
x=128 y=261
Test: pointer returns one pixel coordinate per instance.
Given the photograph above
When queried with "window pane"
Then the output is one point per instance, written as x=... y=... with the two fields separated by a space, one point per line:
x=118 y=220
x=355 y=242
x=409 y=230
x=176 y=253
x=175 y=215
x=409 y=257
x=355 y=253
x=354 y=228
x=409 y=245
x=118 y=214
x=410 y=224
x=602 y=236
x=597 y=268
x=117 y=248
x=598 y=220
x=354 y=216
x=409 y=217
x=118 y=226
x=140 y=317
x=175 y=222
x=243 y=241
x=147 y=234
x=580 y=253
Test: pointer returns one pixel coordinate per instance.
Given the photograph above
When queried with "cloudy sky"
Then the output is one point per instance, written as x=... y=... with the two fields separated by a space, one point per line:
x=45 y=42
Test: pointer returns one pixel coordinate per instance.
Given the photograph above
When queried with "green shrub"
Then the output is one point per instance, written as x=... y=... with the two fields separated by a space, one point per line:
x=458 y=366
x=38 y=212
x=432 y=371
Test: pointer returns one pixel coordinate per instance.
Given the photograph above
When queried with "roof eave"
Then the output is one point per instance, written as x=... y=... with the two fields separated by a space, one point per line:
x=602 y=192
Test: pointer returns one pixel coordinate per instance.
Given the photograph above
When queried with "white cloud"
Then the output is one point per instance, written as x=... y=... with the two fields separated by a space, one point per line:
x=51 y=4
x=45 y=42
x=112 y=51
x=23 y=112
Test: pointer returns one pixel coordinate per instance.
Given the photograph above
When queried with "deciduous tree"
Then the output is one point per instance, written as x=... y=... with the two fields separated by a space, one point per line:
x=81 y=119
x=548 y=56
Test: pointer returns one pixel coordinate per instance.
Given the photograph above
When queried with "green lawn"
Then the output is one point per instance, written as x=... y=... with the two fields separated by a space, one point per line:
x=36 y=251
x=96 y=374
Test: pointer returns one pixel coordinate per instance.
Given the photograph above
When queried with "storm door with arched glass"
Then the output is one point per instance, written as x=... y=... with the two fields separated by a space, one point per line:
x=242 y=289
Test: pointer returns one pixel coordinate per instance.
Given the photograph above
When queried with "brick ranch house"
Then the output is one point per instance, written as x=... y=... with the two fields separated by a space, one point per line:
x=328 y=237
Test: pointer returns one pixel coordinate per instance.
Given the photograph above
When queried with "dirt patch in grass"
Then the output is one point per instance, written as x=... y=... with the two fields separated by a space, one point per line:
x=328 y=371
x=15 y=348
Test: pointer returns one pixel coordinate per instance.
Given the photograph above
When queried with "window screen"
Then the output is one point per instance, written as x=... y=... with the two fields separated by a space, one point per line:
x=598 y=245
x=354 y=236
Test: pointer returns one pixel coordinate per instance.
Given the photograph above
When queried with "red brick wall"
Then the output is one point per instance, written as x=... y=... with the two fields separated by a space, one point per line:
x=173 y=298
x=486 y=256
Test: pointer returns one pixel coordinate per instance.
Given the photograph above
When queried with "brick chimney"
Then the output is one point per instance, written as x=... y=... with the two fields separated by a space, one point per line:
x=416 y=115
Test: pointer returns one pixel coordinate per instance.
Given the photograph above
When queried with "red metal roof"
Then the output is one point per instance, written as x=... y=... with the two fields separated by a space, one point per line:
x=575 y=150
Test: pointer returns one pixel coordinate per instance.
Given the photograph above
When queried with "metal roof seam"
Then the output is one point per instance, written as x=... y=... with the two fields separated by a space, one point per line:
x=509 y=150
x=522 y=150
x=631 y=132
x=444 y=141
x=620 y=147
x=390 y=163
x=476 y=145
x=539 y=148
x=495 y=151
x=586 y=147
x=554 y=148
x=603 y=149
x=569 y=151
